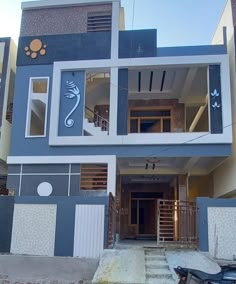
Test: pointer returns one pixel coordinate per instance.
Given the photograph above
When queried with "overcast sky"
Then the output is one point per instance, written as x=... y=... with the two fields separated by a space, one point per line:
x=178 y=22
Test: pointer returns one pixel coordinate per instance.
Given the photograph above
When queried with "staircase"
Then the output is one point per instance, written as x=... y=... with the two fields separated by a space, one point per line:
x=156 y=267
x=94 y=124
x=93 y=130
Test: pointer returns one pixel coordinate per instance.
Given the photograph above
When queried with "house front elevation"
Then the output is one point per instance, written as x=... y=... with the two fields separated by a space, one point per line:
x=104 y=116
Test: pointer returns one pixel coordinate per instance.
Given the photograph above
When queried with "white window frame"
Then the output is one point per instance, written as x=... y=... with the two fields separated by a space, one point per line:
x=28 y=115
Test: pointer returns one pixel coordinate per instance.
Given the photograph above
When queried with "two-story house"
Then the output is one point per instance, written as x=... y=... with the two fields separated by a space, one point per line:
x=99 y=110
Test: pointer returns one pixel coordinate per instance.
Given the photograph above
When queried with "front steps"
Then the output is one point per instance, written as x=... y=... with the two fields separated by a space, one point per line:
x=156 y=267
x=134 y=266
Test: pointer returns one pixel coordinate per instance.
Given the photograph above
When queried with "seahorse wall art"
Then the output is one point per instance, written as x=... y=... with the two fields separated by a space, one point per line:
x=72 y=92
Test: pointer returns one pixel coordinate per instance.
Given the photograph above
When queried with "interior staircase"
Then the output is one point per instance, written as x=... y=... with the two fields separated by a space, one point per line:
x=93 y=130
x=156 y=267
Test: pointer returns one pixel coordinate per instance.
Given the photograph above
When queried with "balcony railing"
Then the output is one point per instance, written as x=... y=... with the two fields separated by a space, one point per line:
x=98 y=120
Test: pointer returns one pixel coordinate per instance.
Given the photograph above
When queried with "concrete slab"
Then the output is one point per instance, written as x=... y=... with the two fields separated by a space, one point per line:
x=121 y=266
x=191 y=259
x=46 y=269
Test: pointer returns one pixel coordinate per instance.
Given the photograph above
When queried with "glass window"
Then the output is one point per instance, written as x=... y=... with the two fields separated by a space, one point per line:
x=37 y=107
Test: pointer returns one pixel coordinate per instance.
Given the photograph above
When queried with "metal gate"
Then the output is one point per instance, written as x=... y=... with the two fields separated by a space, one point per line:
x=111 y=222
x=176 y=222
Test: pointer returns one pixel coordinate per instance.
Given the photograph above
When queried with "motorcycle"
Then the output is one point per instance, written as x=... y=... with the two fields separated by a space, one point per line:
x=227 y=275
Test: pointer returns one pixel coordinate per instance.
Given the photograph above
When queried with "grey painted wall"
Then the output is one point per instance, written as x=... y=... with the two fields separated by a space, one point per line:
x=59 y=183
x=6 y=219
x=191 y=50
x=203 y=203
x=65 y=47
x=139 y=43
x=71 y=125
x=65 y=224
x=122 y=113
x=23 y=75
x=64 y=179
x=38 y=146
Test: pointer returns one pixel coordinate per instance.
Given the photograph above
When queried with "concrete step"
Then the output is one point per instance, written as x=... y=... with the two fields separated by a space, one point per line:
x=154 y=265
x=160 y=281
x=154 y=252
x=152 y=258
x=164 y=275
x=158 y=271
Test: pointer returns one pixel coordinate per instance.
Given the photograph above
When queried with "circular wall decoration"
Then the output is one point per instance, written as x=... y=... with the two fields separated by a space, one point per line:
x=35 y=47
x=44 y=189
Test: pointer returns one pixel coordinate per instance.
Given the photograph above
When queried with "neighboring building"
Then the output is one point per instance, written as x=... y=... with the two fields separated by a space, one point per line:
x=7 y=78
x=100 y=110
x=224 y=176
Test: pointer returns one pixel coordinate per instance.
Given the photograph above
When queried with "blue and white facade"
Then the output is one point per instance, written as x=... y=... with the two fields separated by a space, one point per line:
x=107 y=111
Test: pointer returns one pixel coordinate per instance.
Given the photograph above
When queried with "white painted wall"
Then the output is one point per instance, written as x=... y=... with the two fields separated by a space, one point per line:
x=89 y=231
x=33 y=231
x=224 y=176
x=222 y=232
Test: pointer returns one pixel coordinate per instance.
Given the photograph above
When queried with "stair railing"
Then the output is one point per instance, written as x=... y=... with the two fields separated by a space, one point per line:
x=98 y=120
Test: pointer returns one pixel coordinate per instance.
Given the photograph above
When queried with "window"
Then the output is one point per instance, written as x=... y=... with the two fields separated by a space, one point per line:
x=150 y=120
x=37 y=107
x=99 y=22
x=93 y=177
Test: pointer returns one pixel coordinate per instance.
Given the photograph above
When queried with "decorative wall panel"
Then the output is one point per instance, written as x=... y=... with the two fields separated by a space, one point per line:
x=71 y=103
x=215 y=99
x=33 y=231
x=89 y=231
x=222 y=232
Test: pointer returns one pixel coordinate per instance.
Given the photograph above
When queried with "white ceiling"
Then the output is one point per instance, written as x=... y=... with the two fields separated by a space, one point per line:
x=168 y=83
x=168 y=166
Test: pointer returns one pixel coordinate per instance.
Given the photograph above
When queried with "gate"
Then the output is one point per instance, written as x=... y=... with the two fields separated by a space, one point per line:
x=176 y=222
x=111 y=221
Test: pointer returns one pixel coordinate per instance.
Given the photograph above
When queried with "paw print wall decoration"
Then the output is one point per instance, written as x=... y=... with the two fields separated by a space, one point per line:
x=35 y=48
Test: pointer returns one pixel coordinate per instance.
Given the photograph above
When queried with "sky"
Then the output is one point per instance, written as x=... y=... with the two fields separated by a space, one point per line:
x=178 y=22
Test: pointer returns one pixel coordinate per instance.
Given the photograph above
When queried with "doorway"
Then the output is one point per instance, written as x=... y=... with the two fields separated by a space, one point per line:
x=147 y=217
x=143 y=213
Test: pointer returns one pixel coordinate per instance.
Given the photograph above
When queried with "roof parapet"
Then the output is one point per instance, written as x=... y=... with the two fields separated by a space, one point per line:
x=61 y=3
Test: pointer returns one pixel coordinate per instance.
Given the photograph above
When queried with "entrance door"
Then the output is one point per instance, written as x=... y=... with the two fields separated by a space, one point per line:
x=147 y=217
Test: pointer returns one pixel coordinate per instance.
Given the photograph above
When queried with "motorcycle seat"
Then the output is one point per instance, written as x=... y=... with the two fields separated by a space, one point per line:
x=203 y=275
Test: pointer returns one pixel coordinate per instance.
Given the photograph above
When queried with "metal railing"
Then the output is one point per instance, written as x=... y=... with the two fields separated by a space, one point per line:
x=98 y=120
x=9 y=112
x=176 y=221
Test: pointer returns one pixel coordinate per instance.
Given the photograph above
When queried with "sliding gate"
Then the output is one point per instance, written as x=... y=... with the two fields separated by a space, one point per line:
x=176 y=222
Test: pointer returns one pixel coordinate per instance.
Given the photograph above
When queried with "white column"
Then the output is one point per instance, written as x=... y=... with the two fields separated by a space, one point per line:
x=113 y=102
x=115 y=28
x=111 y=176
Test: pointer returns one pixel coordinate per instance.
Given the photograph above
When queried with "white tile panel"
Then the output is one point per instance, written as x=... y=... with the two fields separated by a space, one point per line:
x=33 y=231
x=89 y=231
x=222 y=232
